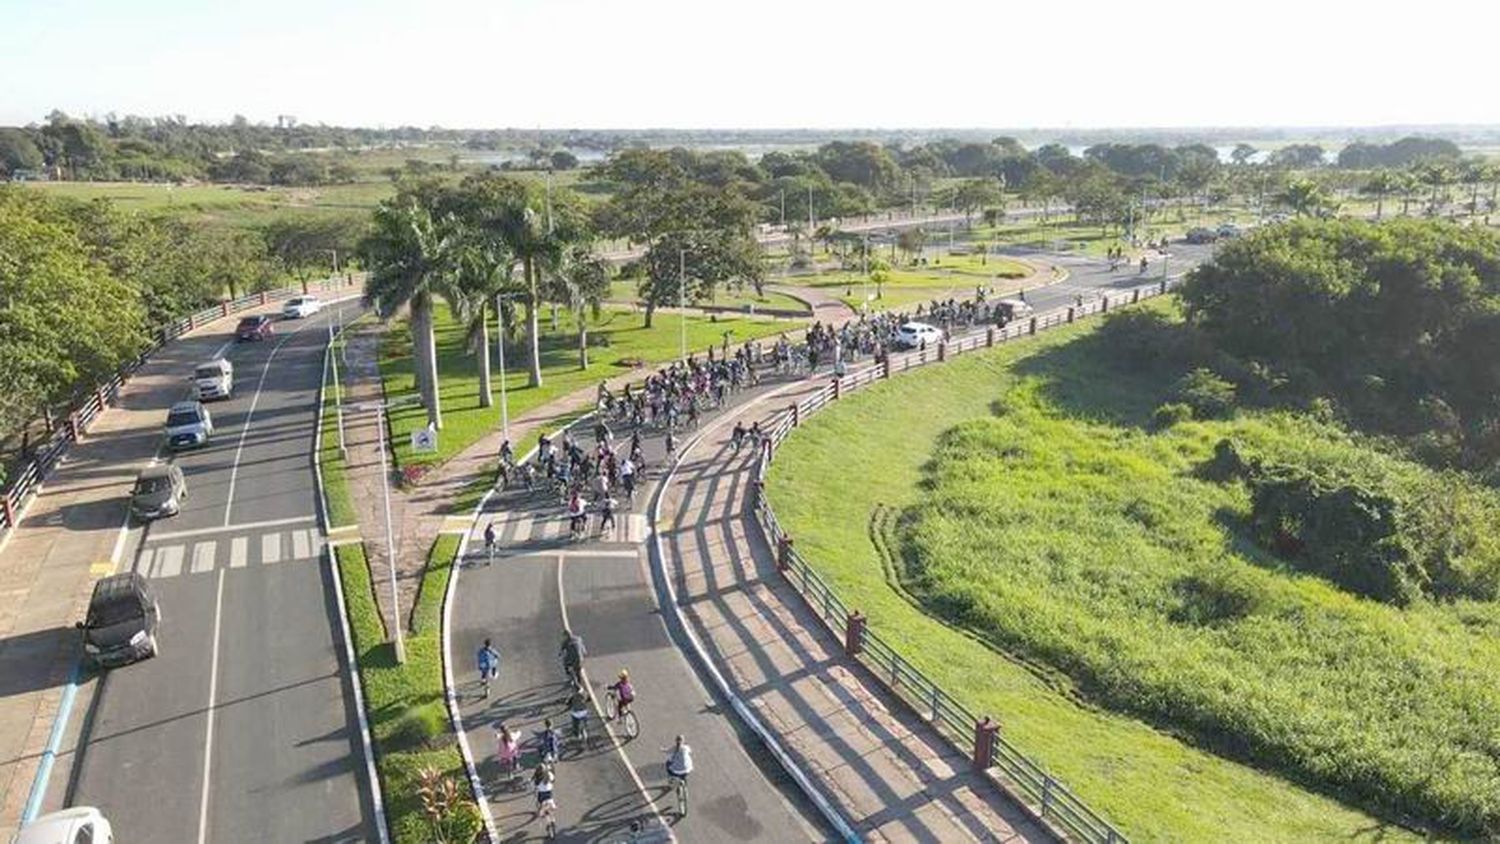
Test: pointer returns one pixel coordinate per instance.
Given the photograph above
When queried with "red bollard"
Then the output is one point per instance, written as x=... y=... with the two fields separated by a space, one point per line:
x=10 y=510
x=784 y=554
x=985 y=733
x=854 y=633
x=796 y=416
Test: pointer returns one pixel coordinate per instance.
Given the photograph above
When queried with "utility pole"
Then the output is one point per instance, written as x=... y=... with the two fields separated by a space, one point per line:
x=682 y=297
x=390 y=541
x=500 y=348
x=783 y=209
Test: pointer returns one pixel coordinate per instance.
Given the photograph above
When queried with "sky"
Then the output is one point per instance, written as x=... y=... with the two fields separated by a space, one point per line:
x=773 y=64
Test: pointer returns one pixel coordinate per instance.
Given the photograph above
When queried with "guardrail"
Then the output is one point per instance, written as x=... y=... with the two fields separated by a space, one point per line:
x=77 y=421
x=980 y=738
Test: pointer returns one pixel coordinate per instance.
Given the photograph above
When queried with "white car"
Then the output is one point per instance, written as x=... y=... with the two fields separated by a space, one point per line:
x=78 y=825
x=915 y=335
x=299 y=307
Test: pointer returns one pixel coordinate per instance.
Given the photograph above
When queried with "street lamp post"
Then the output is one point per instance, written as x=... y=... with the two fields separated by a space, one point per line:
x=390 y=539
x=682 y=298
x=500 y=349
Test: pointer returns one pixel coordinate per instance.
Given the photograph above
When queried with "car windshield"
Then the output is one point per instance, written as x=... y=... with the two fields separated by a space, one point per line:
x=122 y=609
x=208 y=372
x=249 y=322
x=182 y=417
x=147 y=486
x=292 y=303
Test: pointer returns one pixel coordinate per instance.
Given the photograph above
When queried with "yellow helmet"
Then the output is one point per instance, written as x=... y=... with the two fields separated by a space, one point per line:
x=624 y=675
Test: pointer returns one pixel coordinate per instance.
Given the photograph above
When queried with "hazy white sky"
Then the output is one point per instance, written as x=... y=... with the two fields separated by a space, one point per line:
x=774 y=63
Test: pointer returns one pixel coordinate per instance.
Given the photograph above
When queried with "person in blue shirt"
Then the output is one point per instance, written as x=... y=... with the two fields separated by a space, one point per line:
x=488 y=661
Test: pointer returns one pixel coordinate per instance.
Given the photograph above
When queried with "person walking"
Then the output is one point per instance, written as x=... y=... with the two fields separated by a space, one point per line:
x=489 y=542
x=488 y=662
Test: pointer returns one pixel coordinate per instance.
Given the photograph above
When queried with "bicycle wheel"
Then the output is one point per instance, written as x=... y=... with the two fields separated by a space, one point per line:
x=632 y=726
x=682 y=801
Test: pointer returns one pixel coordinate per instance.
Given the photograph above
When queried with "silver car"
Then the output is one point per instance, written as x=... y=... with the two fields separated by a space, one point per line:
x=188 y=425
x=159 y=491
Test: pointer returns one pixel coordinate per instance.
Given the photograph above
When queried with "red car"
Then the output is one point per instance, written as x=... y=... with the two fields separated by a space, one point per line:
x=254 y=328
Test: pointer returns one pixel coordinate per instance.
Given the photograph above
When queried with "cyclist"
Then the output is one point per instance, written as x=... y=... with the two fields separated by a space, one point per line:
x=508 y=750
x=488 y=660
x=489 y=542
x=606 y=515
x=548 y=743
x=679 y=762
x=577 y=512
x=543 y=779
x=573 y=652
x=578 y=708
x=507 y=455
x=627 y=477
x=602 y=434
x=671 y=447
x=624 y=693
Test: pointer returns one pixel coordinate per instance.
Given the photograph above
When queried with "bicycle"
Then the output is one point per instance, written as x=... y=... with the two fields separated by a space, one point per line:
x=628 y=721
x=681 y=786
x=548 y=813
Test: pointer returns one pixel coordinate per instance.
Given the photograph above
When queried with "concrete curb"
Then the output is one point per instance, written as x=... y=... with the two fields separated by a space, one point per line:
x=376 y=796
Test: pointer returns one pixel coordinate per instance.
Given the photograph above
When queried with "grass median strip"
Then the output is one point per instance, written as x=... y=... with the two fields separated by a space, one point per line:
x=414 y=747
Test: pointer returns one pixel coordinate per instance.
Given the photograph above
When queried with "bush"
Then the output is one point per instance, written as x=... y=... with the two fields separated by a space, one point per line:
x=1170 y=414
x=1210 y=396
x=420 y=726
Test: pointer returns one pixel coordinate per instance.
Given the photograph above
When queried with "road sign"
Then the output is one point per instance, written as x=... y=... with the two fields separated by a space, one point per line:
x=424 y=439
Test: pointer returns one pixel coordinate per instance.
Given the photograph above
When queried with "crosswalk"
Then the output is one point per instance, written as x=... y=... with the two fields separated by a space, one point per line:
x=522 y=527
x=206 y=554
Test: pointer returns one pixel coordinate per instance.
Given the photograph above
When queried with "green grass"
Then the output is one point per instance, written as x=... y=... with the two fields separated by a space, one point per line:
x=625 y=291
x=1024 y=530
x=465 y=422
x=393 y=691
x=335 y=472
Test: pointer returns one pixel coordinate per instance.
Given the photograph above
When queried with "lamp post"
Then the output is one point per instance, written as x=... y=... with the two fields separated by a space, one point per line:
x=682 y=298
x=390 y=538
x=500 y=352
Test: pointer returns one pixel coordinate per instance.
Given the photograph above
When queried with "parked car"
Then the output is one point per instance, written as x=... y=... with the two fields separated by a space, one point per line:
x=299 y=307
x=214 y=380
x=78 y=825
x=254 y=328
x=1202 y=235
x=914 y=335
x=188 y=425
x=159 y=491
x=122 y=620
x=1013 y=309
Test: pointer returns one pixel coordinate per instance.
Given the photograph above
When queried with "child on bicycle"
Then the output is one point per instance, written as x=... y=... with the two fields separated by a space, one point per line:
x=543 y=779
x=507 y=749
x=578 y=709
x=624 y=693
x=548 y=743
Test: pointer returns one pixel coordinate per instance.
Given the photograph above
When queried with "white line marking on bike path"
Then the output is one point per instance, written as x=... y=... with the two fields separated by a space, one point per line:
x=562 y=604
x=213 y=691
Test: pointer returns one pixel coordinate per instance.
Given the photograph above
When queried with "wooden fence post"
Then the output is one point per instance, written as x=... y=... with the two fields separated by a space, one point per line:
x=989 y=337
x=942 y=350
x=10 y=510
x=1135 y=295
x=985 y=733
x=796 y=415
x=854 y=634
x=838 y=389
x=75 y=430
x=1033 y=326
x=1070 y=313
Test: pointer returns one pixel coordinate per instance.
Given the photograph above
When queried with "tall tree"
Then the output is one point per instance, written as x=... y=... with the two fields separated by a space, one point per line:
x=581 y=281
x=1381 y=184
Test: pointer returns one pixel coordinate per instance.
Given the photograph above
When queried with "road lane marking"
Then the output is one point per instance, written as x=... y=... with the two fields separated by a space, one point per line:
x=239 y=551
x=244 y=526
x=519 y=530
x=203 y=556
x=562 y=605
x=213 y=691
x=143 y=563
x=300 y=550
x=168 y=561
x=270 y=548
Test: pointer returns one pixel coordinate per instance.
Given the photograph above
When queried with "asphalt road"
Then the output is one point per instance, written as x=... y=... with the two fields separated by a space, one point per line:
x=244 y=728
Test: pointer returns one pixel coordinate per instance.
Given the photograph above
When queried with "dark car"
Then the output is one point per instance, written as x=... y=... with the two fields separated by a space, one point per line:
x=1202 y=235
x=159 y=491
x=254 y=328
x=122 y=620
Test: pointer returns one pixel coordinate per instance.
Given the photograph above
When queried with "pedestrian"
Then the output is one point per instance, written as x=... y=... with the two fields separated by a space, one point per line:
x=489 y=542
x=488 y=660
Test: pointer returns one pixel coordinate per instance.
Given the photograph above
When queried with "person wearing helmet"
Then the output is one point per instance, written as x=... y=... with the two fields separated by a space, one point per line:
x=624 y=693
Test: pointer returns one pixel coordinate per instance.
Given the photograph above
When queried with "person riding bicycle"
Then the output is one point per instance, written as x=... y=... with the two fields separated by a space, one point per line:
x=679 y=760
x=624 y=693
x=573 y=652
x=577 y=512
x=489 y=542
x=737 y=439
x=507 y=454
x=543 y=779
x=602 y=434
x=507 y=748
x=578 y=709
x=606 y=514
x=548 y=743
x=671 y=447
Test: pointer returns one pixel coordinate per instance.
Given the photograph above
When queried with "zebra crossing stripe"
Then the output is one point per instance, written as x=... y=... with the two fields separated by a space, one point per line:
x=168 y=561
x=300 y=549
x=239 y=552
x=270 y=548
x=143 y=565
x=203 y=556
x=518 y=530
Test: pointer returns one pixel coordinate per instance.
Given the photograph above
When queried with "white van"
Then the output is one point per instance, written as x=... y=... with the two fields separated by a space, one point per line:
x=214 y=380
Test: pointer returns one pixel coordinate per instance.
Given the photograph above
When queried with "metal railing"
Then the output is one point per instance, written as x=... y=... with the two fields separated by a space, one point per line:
x=979 y=738
x=78 y=420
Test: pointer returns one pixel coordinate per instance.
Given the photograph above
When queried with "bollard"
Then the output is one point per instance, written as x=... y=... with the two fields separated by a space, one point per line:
x=1070 y=313
x=784 y=554
x=74 y=429
x=985 y=733
x=796 y=415
x=942 y=350
x=10 y=510
x=838 y=389
x=854 y=634
x=1135 y=295
x=1103 y=304
x=99 y=394
x=989 y=337
x=1033 y=326
x=263 y=298
x=223 y=307
x=885 y=366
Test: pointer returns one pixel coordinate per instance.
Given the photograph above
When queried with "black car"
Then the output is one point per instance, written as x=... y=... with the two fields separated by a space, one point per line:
x=122 y=620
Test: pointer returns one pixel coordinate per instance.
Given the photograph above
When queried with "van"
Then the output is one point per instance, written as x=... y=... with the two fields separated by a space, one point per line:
x=78 y=825
x=214 y=380
x=123 y=615
x=1013 y=309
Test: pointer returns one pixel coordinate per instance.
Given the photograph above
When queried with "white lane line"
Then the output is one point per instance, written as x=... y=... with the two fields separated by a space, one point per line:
x=203 y=556
x=169 y=561
x=243 y=526
x=239 y=551
x=300 y=549
x=562 y=604
x=270 y=548
x=213 y=692
x=234 y=469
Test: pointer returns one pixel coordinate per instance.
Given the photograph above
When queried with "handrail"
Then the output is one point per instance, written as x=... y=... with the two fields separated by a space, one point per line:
x=1047 y=799
x=78 y=420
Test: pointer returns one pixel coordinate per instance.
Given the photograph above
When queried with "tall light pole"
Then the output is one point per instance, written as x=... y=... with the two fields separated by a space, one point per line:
x=682 y=297
x=500 y=349
x=390 y=539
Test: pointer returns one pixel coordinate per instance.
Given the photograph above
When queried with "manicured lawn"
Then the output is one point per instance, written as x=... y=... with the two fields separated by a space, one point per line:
x=335 y=472
x=625 y=291
x=616 y=336
x=408 y=720
x=1007 y=526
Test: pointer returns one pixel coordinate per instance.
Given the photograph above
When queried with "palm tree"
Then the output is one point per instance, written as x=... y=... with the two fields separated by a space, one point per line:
x=1305 y=197
x=482 y=270
x=526 y=237
x=582 y=281
x=1382 y=183
x=408 y=255
x=1474 y=172
x=1435 y=175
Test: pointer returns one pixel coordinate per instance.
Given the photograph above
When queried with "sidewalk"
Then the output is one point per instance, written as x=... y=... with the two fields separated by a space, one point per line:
x=891 y=775
x=71 y=535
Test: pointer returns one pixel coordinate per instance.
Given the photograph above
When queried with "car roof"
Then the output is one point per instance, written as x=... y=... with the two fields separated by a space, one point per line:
x=115 y=585
x=915 y=326
x=184 y=406
x=1014 y=302
x=56 y=826
x=254 y=318
x=160 y=470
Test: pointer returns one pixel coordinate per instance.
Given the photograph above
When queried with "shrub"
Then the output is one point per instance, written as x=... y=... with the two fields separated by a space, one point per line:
x=1210 y=396
x=420 y=725
x=1170 y=414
